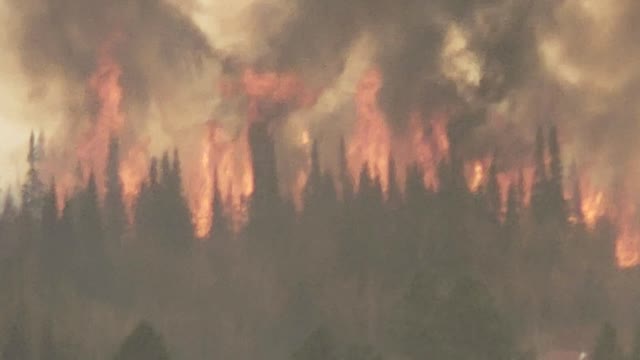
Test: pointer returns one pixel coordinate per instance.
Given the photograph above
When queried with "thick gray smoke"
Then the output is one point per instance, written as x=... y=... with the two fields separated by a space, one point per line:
x=165 y=60
x=513 y=64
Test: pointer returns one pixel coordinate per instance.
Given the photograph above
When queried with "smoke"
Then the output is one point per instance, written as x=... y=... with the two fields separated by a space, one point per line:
x=511 y=64
x=167 y=62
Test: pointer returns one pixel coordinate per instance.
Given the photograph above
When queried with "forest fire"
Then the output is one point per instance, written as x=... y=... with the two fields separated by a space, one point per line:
x=370 y=142
x=476 y=174
x=222 y=163
x=109 y=119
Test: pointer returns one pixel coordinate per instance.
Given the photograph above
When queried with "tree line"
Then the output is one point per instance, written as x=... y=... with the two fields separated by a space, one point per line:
x=359 y=273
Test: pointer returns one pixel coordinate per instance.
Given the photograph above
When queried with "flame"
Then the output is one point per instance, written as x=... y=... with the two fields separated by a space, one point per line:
x=133 y=170
x=109 y=120
x=370 y=142
x=201 y=203
x=230 y=160
x=593 y=207
x=476 y=174
x=628 y=241
x=627 y=253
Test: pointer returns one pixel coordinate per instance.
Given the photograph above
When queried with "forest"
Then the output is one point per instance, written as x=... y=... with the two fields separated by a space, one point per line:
x=360 y=273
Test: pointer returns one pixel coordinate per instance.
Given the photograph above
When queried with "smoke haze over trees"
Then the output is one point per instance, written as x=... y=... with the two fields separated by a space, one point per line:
x=358 y=273
x=319 y=179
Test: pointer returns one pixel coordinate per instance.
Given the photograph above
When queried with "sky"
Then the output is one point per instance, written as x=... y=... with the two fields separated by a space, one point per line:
x=570 y=62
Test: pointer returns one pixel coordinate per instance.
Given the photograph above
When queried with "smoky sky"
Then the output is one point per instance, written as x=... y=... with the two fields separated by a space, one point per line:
x=409 y=36
x=515 y=64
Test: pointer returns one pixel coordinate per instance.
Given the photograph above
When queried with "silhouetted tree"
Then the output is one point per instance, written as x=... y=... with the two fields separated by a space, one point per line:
x=606 y=346
x=114 y=208
x=33 y=188
x=635 y=344
x=143 y=344
x=556 y=178
x=320 y=345
x=539 y=190
x=91 y=262
x=346 y=182
x=16 y=347
x=48 y=348
x=221 y=225
x=493 y=201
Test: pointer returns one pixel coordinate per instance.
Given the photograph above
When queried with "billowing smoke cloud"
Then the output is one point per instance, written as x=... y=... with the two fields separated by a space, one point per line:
x=511 y=64
x=167 y=62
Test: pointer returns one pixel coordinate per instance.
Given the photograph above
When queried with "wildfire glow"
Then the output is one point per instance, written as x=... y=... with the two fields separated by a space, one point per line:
x=202 y=202
x=593 y=207
x=133 y=170
x=476 y=174
x=109 y=119
x=370 y=142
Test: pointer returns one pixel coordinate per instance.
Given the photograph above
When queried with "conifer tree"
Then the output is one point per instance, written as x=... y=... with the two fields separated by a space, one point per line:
x=92 y=266
x=16 y=346
x=539 y=191
x=493 y=201
x=346 y=182
x=33 y=188
x=114 y=205
x=221 y=225
x=49 y=249
x=606 y=347
x=512 y=216
x=394 y=197
x=556 y=178
x=576 y=198
x=144 y=343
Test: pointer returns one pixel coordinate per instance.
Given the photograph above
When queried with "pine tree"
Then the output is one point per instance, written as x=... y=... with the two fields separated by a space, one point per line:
x=394 y=197
x=48 y=348
x=635 y=345
x=143 y=344
x=606 y=347
x=221 y=225
x=16 y=347
x=512 y=216
x=148 y=206
x=92 y=265
x=314 y=180
x=556 y=178
x=33 y=188
x=114 y=205
x=320 y=345
x=174 y=216
x=576 y=198
x=49 y=249
x=346 y=183
x=539 y=191
x=493 y=201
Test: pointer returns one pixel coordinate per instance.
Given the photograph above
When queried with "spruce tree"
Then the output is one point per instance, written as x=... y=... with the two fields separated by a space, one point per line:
x=493 y=201
x=33 y=188
x=346 y=183
x=556 y=179
x=144 y=343
x=16 y=347
x=114 y=205
x=540 y=186
x=606 y=347
x=394 y=196
x=221 y=225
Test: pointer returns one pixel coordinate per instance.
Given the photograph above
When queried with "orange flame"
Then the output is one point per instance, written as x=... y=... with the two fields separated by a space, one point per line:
x=132 y=172
x=370 y=141
x=230 y=160
x=628 y=241
x=109 y=120
x=202 y=211
x=476 y=173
